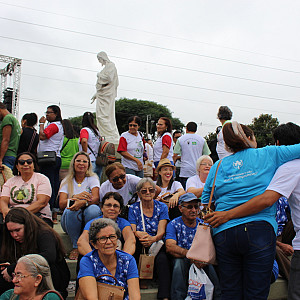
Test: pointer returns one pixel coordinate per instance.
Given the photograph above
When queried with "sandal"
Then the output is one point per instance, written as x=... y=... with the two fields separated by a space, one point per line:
x=74 y=254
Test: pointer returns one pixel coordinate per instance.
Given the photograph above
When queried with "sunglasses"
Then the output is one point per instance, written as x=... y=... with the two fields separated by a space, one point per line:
x=117 y=178
x=191 y=206
x=144 y=191
x=132 y=125
x=23 y=161
x=81 y=160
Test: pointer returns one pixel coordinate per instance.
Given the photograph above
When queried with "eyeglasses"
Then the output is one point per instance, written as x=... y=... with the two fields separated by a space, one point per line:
x=19 y=276
x=133 y=125
x=144 y=191
x=49 y=112
x=116 y=179
x=191 y=206
x=109 y=205
x=159 y=124
x=104 y=239
x=206 y=164
x=23 y=161
x=81 y=161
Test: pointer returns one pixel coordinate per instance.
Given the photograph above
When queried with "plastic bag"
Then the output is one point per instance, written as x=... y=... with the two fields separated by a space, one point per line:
x=200 y=287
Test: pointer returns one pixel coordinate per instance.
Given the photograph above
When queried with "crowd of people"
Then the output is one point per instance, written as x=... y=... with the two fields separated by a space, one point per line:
x=150 y=203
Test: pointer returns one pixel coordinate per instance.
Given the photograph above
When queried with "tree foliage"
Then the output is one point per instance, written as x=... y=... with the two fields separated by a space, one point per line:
x=131 y=107
x=263 y=127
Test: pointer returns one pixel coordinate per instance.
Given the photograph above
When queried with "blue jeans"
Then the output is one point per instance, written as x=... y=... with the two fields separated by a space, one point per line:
x=97 y=169
x=71 y=221
x=52 y=172
x=139 y=173
x=180 y=276
x=9 y=161
x=245 y=255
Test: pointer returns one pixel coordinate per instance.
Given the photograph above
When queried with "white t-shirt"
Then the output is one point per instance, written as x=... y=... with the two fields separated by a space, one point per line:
x=286 y=182
x=194 y=182
x=176 y=185
x=86 y=186
x=222 y=152
x=55 y=141
x=134 y=146
x=93 y=142
x=126 y=191
x=158 y=147
x=190 y=146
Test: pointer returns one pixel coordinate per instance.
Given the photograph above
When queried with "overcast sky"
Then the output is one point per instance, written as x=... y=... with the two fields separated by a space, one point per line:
x=191 y=56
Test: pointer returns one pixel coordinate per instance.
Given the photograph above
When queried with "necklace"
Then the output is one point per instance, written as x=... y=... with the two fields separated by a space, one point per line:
x=79 y=183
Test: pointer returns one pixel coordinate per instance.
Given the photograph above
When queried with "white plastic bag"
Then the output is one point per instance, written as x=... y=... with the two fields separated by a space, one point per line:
x=200 y=287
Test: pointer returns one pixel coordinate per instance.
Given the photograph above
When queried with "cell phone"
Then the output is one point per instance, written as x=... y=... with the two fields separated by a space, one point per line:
x=70 y=202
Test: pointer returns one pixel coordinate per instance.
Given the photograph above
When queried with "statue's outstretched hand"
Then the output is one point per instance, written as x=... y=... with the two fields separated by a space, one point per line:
x=93 y=99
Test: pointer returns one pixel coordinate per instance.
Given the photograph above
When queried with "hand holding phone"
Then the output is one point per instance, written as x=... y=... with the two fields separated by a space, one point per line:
x=70 y=203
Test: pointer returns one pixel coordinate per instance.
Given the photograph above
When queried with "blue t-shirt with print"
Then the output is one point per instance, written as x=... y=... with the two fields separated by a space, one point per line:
x=91 y=265
x=281 y=213
x=122 y=223
x=182 y=234
x=160 y=212
x=244 y=175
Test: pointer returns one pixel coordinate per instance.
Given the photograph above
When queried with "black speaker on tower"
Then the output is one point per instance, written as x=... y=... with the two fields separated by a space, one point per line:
x=7 y=95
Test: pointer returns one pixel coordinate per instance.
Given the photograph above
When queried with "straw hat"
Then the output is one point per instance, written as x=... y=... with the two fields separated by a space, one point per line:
x=164 y=163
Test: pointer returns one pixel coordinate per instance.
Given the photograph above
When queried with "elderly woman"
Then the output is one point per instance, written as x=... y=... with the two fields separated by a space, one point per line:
x=131 y=147
x=168 y=185
x=111 y=206
x=119 y=181
x=195 y=184
x=27 y=189
x=163 y=145
x=106 y=259
x=245 y=247
x=79 y=198
x=32 y=280
x=154 y=215
x=24 y=233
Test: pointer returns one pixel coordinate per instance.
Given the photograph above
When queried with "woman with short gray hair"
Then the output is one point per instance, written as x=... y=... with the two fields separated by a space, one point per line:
x=106 y=259
x=195 y=184
x=32 y=279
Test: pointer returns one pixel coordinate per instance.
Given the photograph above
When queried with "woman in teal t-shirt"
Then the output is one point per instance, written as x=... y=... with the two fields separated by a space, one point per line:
x=32 y=280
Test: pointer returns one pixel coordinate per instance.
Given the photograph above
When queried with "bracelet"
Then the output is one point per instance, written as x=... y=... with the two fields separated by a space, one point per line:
x=41 y=124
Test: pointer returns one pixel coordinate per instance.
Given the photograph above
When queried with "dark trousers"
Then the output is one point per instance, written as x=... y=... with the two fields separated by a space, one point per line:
x=183 y=181
x=245 y=255
x=294 y=286
x=162 y=267
x=52 y=172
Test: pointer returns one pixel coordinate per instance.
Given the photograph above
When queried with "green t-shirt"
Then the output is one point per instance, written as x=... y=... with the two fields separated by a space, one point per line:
x=6 y=296
x=68 y=152
x=14 y=136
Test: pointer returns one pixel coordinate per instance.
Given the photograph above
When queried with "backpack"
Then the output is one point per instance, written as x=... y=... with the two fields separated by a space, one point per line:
x=106 y=154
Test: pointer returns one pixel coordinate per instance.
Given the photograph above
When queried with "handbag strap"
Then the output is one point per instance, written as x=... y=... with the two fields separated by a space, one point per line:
x=108 y=275
x=142 y=215
x=55 y=292
x=32 y=139
x=63 y=147
x=213 y=187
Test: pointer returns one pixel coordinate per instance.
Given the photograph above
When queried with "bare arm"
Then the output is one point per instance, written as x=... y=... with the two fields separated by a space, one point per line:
x=174 y=199
x=165 y=152
x=88 y=287
x=174 y=249
x=176 y=157
x=196 y=191
x=4 y=201
x=131 y=157
x=84 y=144
x=134 y=289
x=129 y=245
x=84 y=246
x=6 y=132
x=42 y=201
x=251 y=207
x=42 y=135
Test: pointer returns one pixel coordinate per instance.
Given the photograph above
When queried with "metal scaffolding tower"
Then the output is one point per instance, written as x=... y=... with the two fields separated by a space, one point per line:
x=13 y=68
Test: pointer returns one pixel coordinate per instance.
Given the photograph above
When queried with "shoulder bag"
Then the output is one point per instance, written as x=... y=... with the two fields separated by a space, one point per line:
x=106 y=291
x=203 y=248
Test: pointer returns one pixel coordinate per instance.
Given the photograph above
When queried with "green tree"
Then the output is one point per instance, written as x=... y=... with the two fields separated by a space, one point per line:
x=263 y=127
x=131 y=107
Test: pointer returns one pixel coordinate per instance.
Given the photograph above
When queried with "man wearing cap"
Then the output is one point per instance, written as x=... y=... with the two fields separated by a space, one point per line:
x=180 y=233
x=189 y=148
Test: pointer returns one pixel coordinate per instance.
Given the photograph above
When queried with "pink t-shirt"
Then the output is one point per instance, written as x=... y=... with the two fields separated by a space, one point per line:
x=23 y=193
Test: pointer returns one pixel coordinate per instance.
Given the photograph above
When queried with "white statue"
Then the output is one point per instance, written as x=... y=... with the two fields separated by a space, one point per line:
x=106 y=93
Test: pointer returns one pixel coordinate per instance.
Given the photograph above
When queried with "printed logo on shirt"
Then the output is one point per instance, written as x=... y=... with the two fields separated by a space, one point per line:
x=237 y=164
